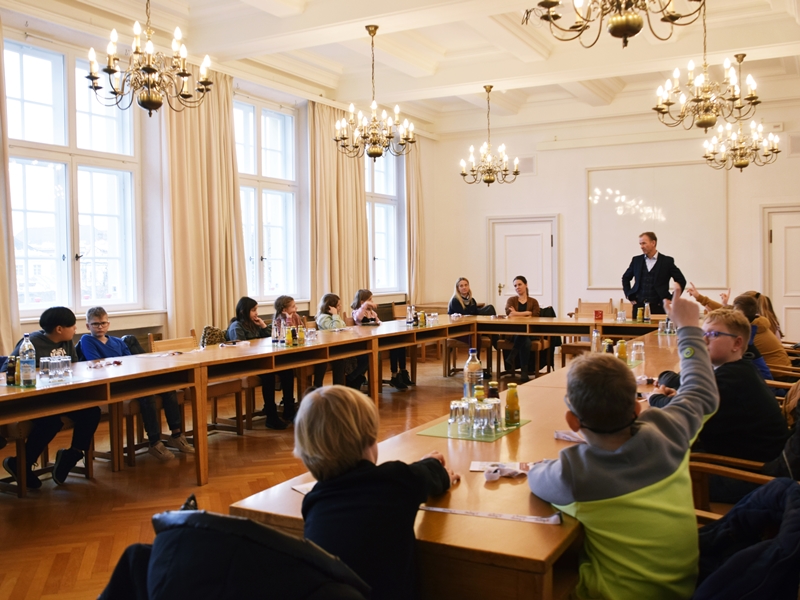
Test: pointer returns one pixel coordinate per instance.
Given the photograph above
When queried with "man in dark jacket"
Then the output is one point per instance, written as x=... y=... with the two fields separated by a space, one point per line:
x=652 y=272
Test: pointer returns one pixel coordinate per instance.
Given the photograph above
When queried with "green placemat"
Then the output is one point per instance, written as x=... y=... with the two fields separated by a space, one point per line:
x=440 y=430
x=634 y=363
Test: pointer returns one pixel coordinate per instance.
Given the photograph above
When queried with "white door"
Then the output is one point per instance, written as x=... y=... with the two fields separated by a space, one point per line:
x=521 y=246
x=784 y=284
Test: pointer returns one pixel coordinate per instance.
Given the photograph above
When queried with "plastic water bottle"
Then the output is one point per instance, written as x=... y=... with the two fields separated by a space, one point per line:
x=473 y=373
x=597 y=345
x=27 y=363
x=647 y=312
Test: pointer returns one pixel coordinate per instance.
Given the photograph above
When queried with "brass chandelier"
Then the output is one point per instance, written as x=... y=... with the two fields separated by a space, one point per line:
x=493 y=167
x=705 y=100
x=624 y=18
x=357 y=136
x=151 y=77
x=736 y=149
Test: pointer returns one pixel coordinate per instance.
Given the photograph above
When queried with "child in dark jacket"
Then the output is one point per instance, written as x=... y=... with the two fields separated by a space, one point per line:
x=360 y=511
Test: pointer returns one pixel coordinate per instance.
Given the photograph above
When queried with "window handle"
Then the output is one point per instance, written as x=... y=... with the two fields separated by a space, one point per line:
x=78 y=256
x=263 y=258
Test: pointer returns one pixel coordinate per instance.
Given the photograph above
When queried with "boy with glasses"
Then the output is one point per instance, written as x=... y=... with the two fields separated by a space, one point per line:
x=749 y=423
x=54 y=339
x=629 y=484
x=99 y=345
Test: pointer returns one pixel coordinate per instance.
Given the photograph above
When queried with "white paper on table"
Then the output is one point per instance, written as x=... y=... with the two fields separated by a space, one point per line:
x=569 y=436
x=304 y=488
x=480 y=466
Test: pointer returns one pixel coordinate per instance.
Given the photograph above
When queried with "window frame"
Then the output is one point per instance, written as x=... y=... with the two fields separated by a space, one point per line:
x=261 y=183
x=74 y=157
x=398 y=201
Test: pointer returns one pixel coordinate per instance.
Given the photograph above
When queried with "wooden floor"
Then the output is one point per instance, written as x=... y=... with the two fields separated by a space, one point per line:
x=63 y=542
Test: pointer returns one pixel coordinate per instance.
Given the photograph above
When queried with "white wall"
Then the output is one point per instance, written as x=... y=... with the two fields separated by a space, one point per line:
x=456 y=213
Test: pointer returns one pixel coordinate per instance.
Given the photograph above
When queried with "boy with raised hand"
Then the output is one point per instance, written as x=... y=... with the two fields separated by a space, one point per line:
x=55 y=339
x=97 y=344
x=629 y=485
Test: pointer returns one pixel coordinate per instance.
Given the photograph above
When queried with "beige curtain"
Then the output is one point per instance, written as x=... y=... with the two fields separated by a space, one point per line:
x=205 y=270
x=339 y=238
x=415 y=232
x=10 y=329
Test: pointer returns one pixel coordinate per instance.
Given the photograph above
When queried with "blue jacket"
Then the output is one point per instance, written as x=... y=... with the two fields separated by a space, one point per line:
x=736 y=561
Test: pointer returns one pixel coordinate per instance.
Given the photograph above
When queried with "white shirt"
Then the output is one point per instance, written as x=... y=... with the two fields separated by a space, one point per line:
x=650 y=262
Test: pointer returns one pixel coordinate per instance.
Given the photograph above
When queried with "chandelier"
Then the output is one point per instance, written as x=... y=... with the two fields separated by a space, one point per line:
x=736 y=149
x=707 y=100
x=624 y=18
x=355 y=136
x=492 y=167
x=151 y=77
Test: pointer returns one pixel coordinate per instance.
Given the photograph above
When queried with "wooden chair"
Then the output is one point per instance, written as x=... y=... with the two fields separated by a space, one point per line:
x=574 y=345
x=450 y=358
x=702 y=465
x=215 y=391
x=18 y=432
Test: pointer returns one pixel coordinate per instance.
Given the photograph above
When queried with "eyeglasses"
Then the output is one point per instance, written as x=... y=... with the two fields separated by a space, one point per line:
x=99 y=324
x=715 y=334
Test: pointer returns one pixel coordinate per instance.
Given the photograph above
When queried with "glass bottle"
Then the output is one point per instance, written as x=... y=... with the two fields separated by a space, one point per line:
x=277 y=330
x=480 y=396
x=11 y=375
x=473 y=373
x=27 y=363
x=512 y=406
x=494 y=390
x=622 y=350
x=409 y=314
x=597 y=345
x=646 y=312
x=288 y=337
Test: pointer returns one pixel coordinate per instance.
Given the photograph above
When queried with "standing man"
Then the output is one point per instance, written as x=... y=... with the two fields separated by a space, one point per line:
x=652 y=272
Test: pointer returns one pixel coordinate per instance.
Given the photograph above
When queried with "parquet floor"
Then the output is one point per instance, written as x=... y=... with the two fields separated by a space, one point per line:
x=63 y=542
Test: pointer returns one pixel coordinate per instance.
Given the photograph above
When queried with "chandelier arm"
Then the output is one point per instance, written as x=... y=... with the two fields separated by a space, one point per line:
x=653 y=31
x=596 y=38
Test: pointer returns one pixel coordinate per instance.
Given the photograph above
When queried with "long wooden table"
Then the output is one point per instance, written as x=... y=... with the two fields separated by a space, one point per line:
x=472 y=557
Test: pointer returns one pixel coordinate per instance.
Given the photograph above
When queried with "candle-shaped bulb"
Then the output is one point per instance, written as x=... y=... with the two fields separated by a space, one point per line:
x=204 y=66
x=137 y=29
x=383 y=115
x=114 y=36
x=676 y=74
x=374 y=105
x=92 y=55
x=668 y=85
x=178 y=35
x=690 y=66
x=683 y=99
x=364 y=121
x=184 y=53
x=405 y=123
x=660 y=92
x=390 y=123
x=111 y=49
x=463 y=166
x=149 y=48
x=750 y=82
x=352 y=108
x=175 y=46
x=396 y=109
x=727 y=64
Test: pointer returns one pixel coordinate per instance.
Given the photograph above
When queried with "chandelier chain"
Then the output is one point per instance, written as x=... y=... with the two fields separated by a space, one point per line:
x=488 y=119
x=705 y=38
x=372 y=40
x=147 y=10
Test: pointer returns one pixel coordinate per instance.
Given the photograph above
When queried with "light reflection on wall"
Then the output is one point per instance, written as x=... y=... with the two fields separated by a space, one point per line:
x=628 y=206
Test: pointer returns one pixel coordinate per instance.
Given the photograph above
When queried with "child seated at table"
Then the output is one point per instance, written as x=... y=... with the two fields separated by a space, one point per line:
x=329 y=316
x=97 y=344
x=629 y=485
x=54 y=339
x=363 y=512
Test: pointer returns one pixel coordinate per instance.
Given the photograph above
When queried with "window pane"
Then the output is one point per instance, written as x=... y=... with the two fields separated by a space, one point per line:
x=106 y=236
x=277 y=145
x=36 y=94
x=277 y=243
x=245 y=132
x=100 y=128
x=40 y=236
x=384 y=247
x=368 y=173
x=249 y=225
x=385 y=179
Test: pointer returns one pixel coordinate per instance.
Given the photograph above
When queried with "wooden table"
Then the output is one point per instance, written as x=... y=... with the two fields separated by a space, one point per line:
x=468 y=557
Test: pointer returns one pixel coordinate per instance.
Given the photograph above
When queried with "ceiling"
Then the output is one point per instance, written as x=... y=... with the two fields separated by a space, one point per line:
x=433 y=57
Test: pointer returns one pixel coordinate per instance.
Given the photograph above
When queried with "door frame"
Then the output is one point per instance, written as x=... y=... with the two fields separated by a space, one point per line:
x=766 y=257
x=553 y=220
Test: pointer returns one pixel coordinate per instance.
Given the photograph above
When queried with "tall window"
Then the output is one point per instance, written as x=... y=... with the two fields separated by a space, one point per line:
x=266 y=158
x=72 y=188
x=385 y=196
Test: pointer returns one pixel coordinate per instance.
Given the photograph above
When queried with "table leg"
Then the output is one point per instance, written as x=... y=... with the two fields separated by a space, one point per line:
x=115 y=435
x=200 y=424
x=374 y=378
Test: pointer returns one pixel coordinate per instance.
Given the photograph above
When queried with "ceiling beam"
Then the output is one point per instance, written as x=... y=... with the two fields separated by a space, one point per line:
x=279 y=8
x=408 y=53
x=334 y=22
x=508 y=34
x=595 y=92
x=502 y=104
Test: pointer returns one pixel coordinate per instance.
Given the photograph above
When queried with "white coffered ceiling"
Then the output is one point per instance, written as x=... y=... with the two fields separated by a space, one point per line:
x=434 y=56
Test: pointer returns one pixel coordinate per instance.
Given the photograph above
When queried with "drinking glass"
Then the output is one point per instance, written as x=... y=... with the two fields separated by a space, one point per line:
x=483 y=423
x=56 y=369
x=497 y=413
x=44 y=369
x=621 y=316
x=66 y=368
x=637 y=351
x=662 y=327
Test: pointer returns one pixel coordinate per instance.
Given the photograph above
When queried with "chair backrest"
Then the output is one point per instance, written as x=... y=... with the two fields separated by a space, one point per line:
x=399 y=311
x=184 y=343
x=627 y=307
x=586 y=309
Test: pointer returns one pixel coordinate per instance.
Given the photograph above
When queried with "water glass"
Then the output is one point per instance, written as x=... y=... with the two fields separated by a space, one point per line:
x=497 y=413
x=458 y=425
x=483 y=423
x=621 y=316
x=311 y=335
x=662 y=327
x=44 y=369
x=637 y=352
x=56 y=369
x=67 y=368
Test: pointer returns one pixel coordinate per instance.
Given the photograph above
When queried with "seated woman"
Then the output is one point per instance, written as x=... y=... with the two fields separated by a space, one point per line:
x=521 y=305
x=330 y=316
x=363 y=313
x=247 y=325
x=463 y=303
